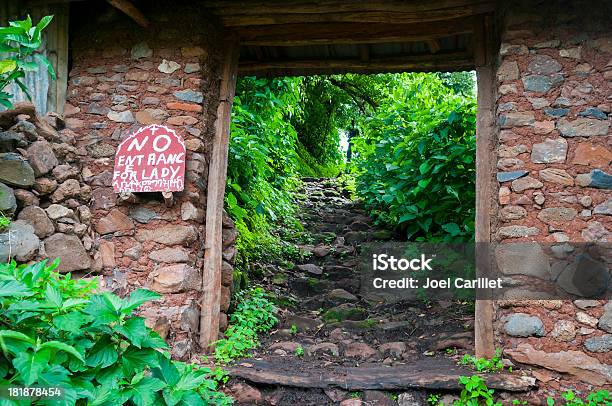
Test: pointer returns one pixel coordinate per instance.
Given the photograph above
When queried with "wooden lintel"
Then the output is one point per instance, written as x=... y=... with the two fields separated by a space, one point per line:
x=421 y=63
x=131 y=11
x=217 y=174
x=479 y=41
x=364 y=52
x=168 y=198
x=350 y=33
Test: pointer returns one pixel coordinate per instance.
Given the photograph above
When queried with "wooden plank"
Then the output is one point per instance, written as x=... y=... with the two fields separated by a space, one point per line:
x=217 y=174
x=432 y=374
x=350 y=33
x=237 y=7
x=131 y=11
x=386 y=17
x=57 y=52
x=440 y=62
x=485 y=199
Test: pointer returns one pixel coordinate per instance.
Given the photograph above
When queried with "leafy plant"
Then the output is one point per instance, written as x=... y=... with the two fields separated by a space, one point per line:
x=599 y=398
x=5 y=221
x=475 y=392
x=484 y=364
x=293 y=330
x=299 y=351
x=55 y=331
x=434 y=399
x=20 y=41
x=254 y=314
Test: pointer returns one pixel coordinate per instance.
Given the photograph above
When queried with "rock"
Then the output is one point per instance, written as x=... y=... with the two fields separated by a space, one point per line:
x=113 y=222
x=352 y=402
x=168 y=66
x=359 y=350
x=8 y=202
x=564 y=331
x=97 y=109
x=41 y=157
x=557 y=215
x=323 y=348
x=604 y=208
x=586 y=318
x=183 y=120
x=522 y=259
x=151 y=116
x=510 y=164
x=301 y=323
x=584 y=277
x=57 y=211
x=600 y=180
x=592 y=155
x=321 y=251
x=504 y=195
x=175 y=279
x=106 y=252
x=395 y=349
x=412 y=398
x=62 y=173
x=142 y=214
x=583 y=127
x=18 y=242
x=71 y=251
x=522 y=184
x=550 y=151
x=311 y=268
x=288 y=346
x=516 y=119
x=543 y=127
x=192 y=67
x=68 y=189
x=169 y=235
x=15 y=171
x=509 y=213
x=543 y=65
x=141 y=50
x=599 y=344
x=537 y=83
x=586 y=304
x=575 y=363
x=605 y=321
x=377 y=398
x=508 y=176
x=196 y=108
x=558 y=176
x=189 y=212
x=338 y=296
x=524 y=325
x=195 y=51
x=517 y=231
x=508 y=70
x=593 y=112
x=246 y=394
x=171 y=255
x=189 y=95
x=121 y=116
x=573 y=53
x=38 y=219
x=558 y=112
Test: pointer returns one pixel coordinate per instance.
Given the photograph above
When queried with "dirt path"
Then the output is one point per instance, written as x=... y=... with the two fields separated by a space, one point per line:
x=328 y=324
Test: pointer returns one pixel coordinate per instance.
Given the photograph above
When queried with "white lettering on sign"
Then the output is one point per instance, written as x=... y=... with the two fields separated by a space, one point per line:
x=150 y=160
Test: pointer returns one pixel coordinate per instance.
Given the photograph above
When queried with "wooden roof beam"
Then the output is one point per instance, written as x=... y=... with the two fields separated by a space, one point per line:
x=350 y=33
x=131 y=11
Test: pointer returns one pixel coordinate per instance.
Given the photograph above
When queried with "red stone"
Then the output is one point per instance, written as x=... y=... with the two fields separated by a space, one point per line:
x=592 y=155
x=184 y=106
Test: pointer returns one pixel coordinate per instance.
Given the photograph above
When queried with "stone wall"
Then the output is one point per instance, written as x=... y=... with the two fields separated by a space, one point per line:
x=167 y=74
x=554 y=153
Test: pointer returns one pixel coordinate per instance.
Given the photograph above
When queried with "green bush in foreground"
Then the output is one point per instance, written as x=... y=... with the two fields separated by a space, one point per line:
x=55 y=331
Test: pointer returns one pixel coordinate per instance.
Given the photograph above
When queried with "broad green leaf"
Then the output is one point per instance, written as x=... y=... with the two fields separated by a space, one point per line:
x=14 y=288
x=137 y=298
x=30 y=365
x=59 y=346
x=7 y=65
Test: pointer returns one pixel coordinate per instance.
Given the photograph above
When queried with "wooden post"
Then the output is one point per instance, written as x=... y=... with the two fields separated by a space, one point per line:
x=485 y=181
x=217 y=174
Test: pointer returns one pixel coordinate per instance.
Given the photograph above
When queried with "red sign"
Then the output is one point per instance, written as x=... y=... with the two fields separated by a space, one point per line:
x=150 y=160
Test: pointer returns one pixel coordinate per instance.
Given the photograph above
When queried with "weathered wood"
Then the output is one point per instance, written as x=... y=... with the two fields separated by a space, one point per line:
x=131 y=11
x=350 y=33
x=242 y=7
x=168 y=198
x=217 y=174
x=440 y=62
x=57 y=53
x=434 y=374
x=485 y=190
x=433 y=45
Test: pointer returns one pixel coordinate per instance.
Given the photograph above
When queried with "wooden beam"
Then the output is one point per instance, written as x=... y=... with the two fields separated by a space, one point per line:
x=364 y=52
x=350 y=33
x=434 y=45
x=479 y=41
x=261 y=7
x=484 y=340
x=217 y=174
x=440 y=62
x=131 y=11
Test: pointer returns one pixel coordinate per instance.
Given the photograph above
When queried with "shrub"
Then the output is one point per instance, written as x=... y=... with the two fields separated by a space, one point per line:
x=55 y=331
x=415 y=161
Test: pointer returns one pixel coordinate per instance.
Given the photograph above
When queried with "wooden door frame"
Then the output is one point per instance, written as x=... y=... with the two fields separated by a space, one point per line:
x=485 y=189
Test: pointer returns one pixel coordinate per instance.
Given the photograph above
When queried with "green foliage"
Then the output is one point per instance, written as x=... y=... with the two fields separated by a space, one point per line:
x=599 y=398
x=475 y=392
x=254 y=313
x=434 y=399
x=484 y=364
x=299 y=351
x=20 y=42
x=5 y=221
x=55 y=331
x=415 y=160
